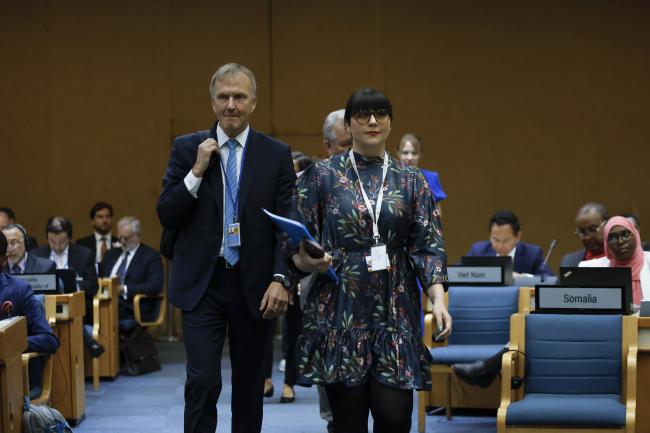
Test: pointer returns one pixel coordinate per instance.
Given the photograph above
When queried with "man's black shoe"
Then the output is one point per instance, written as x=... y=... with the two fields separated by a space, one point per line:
x=95 y=349
x=472 y=373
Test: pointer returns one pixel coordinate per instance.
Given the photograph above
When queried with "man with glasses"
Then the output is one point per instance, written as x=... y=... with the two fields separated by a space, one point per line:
x=19 y=261
x=590 y=220
x=138 y=267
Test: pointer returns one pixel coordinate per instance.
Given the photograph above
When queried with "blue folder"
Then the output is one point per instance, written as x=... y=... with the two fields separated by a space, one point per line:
x=297 y=232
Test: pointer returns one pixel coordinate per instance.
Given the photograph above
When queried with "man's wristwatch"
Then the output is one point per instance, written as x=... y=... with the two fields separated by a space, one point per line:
x=286 y=282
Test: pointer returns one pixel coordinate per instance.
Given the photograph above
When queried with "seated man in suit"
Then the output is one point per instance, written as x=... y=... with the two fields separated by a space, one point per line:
x=7 y=216
x=70 y=256
x=17 y=299
x=138 y=267
x=505 y=240
x=590 y=220
x=101 y=218
x=19 y=261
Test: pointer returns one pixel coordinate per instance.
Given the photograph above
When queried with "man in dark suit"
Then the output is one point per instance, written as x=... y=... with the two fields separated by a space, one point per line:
x=17 y=299
x=227 y=270
x=19 y=261
x=590 y=220
x=7 y=216
x=101 y=218
x=70 y=256
x=505 y=240
x=137 y=265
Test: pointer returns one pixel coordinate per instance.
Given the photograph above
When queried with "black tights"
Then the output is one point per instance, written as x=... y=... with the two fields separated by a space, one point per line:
x=391 y=408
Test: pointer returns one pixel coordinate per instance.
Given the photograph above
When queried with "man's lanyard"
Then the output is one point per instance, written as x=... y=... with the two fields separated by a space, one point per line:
x=374 y=215
x=229 y=195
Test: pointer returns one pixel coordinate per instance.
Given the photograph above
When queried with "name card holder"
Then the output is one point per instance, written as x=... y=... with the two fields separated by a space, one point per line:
x=571 y=299
x=476 y=275
x=43 y=284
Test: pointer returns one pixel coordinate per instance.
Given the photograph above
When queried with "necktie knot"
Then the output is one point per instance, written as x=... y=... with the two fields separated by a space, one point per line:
x=232 y=144
x=15 y=269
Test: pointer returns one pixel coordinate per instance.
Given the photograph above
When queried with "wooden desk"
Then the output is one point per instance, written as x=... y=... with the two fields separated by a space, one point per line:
x=13 y=342
x=68 y=383
x=643 y=377
x=107 y=297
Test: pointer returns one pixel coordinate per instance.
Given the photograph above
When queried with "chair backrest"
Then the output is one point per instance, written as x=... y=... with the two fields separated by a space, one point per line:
x=482 y=314
x=573 y=354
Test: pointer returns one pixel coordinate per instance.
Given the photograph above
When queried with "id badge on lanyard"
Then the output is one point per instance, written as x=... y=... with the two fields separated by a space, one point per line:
x=378 y=259
x=232 y=235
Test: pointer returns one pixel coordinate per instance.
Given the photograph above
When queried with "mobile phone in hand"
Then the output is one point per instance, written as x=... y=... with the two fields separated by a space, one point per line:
x=313 y=249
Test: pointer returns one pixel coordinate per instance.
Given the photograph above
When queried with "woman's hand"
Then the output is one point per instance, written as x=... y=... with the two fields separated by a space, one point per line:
x=443 y=320
x=307 y=263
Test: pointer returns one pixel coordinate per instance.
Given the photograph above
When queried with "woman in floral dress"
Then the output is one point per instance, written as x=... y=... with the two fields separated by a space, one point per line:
x=361 y=336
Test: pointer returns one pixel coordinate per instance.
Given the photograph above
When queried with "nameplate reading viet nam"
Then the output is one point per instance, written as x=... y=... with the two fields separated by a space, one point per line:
x=475 y=274
x=583 y=299
x=41 y=283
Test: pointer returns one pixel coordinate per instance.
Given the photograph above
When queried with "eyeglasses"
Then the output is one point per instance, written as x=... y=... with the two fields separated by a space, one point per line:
x=623 y=236
x=585 y=232
x=15 y=242
x=123 y=239
x=363 y=116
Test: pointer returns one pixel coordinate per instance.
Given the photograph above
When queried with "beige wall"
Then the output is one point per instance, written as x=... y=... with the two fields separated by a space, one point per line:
x=532 y=106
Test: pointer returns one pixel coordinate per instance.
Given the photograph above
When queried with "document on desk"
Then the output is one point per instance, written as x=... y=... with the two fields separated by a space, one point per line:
x=5 y=323
x=297 y=232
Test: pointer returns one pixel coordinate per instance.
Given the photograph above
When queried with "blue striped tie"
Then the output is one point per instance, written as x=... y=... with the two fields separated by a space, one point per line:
x=231 y=254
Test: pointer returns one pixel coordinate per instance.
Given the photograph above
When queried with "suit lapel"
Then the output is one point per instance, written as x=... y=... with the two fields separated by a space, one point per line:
x=252 y=155
x=134 y=262
x=520 y=255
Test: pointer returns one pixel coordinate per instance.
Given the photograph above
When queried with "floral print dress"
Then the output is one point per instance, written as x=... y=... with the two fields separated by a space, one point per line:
x=368 y=323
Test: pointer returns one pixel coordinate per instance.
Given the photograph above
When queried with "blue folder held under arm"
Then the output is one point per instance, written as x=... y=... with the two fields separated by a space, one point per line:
x=297 y=232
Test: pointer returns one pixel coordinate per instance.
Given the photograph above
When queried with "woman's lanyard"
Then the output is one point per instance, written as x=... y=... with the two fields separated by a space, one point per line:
x=374 y=214
x=378 y=259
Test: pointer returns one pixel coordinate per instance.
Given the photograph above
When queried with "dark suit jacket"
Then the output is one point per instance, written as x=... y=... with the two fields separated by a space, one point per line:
x=80 y=259
x=267 y=181
x=571 y=260
x=90 y=243
x=35 y=265
x=144 y=275
x=40 y=337
x=528 y=257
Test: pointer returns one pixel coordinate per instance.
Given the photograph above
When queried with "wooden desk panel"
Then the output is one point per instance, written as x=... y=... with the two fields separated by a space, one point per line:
x=68 y=383
x=109 y=362
x=643 y=377
x=13 y=342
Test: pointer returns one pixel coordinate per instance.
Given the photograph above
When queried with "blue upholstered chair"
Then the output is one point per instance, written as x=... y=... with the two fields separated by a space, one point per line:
x=578 y=372
x=481 y=328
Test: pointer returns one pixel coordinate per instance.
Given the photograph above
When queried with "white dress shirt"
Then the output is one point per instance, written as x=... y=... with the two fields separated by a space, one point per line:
x=21 y=264
x=61 y=260
x=193 y=183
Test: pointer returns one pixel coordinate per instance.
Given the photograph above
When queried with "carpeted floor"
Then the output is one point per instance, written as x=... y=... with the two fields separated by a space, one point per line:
x=153 y=403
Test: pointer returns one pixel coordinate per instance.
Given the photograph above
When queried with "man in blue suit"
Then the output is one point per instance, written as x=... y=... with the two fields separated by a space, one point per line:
x=17 y=299
x=137 y=265
x=19 y=261
x=505 y=240
x=228 y=271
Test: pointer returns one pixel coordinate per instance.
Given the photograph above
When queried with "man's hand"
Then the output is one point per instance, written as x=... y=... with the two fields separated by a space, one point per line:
x=274 y=302
x=307 y=263
x=205 y=151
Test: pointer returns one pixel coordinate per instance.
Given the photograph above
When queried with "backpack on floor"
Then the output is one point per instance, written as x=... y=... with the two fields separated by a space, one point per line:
x=39 y=418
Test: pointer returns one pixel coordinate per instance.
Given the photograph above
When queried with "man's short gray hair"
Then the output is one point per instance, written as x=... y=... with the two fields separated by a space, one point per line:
x=230 y=69
x=332 y=119
x=131 y=221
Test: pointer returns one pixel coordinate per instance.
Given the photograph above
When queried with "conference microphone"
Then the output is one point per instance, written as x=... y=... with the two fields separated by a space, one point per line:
x=548 y=254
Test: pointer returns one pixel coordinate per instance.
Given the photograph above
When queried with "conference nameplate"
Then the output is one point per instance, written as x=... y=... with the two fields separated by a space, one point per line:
x=41 y=283
x=475 y=275
x=579 y=299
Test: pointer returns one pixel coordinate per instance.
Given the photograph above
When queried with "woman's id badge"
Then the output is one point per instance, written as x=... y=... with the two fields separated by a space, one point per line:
x=232 y=235
x=378 y=259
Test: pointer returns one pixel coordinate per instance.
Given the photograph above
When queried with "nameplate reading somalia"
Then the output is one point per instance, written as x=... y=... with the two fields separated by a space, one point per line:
x=579 y=298
x=41 y=283
x=474 y=274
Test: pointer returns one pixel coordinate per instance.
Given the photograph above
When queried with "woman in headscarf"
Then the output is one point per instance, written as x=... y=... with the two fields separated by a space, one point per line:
x=623 y=249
